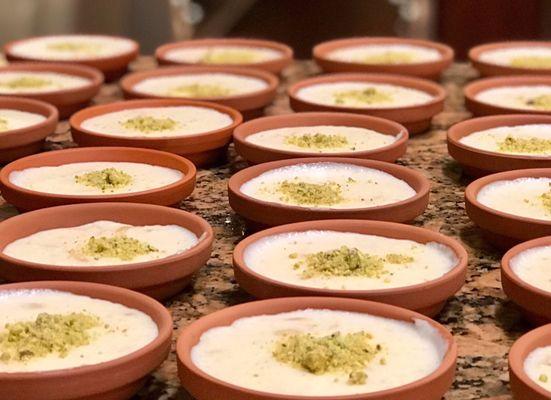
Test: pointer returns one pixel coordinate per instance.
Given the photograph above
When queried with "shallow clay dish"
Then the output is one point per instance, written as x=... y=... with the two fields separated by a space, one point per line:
x=256 y=154
x=260 y=214
x=522 y=386
x=21 y=142
x=67 y=101
x=204 y=387
x=26 y=200
x=428 y=70
x=477 y=162
x=275 y=66
x=251 y=105
x=488 y=69
x=160 y=278
x=416 y=118
x=205 y=148
x=427 y=298
x=113 y=67
x=502 y=229
x=117 y=379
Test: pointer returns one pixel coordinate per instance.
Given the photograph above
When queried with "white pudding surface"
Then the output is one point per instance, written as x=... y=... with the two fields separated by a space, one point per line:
x=183 y=121
x=534 y=267
x=538 y=366
x=241 y=353
x=64 y=246
x=517 y=97
x=14 y=119
x=534 y=57
x=521 y=197
x=275 y=257
x=38 y=82
x=331 y=139
x=130 y=329
x=385 y=54
x=222 y=54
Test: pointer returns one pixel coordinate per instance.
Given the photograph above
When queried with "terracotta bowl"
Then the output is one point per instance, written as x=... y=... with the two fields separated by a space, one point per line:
x=256 y=154
x=203 y=149
x=113 y=67
x=117 y=379
x=426 y=298
x=274 y=66
x=67 y=101
x=502 y=229
x=160 y=278
x=204 y=387
x=489 y=69
x=26 y=200
x=260 y=214
x=251 y=105
x=416 y=119
x=21 y=142
x=479 y=108
x=428 y=70
x=477 y=162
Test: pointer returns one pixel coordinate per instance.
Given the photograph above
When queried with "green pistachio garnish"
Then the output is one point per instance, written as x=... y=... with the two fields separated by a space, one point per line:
x=389 y=57
x=26 y=82
x=532 y=62
x=311 y=194
x=543 y=378
x=120 y=246
x=337 y=353
x=106 y=179
x=394 y=258
x=229 y=57
x=524 y=145
x=542 y=102
x=3 y=124
x=317 y=140
x=150 y=124
x=47 y=334
x=200 y=90
x=365 y=96
x=74 y=47
x=546 y=199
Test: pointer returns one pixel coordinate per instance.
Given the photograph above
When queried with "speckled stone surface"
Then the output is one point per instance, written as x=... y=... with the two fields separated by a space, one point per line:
x=484 y=323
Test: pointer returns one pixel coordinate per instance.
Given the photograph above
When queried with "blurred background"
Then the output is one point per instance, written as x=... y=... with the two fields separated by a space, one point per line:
x=299 y=23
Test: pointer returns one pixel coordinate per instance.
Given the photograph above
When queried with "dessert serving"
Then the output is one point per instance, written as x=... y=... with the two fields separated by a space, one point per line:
x=538 y=367
x=21 y=83
x=532 y=266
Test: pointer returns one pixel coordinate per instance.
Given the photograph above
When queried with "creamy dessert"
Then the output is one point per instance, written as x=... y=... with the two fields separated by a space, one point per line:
x=538 y=367
x=526 y=140
x=532 y=266
x=95 y=178
x=21 y=82
x=45 y=330
x=200 y=85
x=222 y=54
x=528 y=97
x=346 y=260
x=532 y=57
x=14 y=119
x=102 y=243
x=328 y=185
x=363 y=95
x=157 y=122
x=72 y=47
x=321 y=139
x=320 y=352
x=523 y=197
x=385 y=54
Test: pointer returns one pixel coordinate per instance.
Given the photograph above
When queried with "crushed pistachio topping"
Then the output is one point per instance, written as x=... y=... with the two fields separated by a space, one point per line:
x=389 y=57
x=150 y=124
x=107 y=179
x=546 y=199
x=3 y=124
x=317 y=141
x=75 y=47
x=336 y=353
x=47 y=334
x=313 y=194
x=542 y=102
x=200 y=90
x=395 y=258
x=533 y=62
x=229 y=57
x=119 y=246
x=543 y=378
x=524 y=145
x=26 y=82
x=365 y=96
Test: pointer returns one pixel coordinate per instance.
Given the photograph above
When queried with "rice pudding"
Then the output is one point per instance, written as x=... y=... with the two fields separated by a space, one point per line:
x=523 y=197
x=200 y=85
x=14 y=119
x=328 y=185
x=528 y=97
x=154 y=122
x=363 y=95
x=95 y=178
x=385 y=54
x=538 y=367
x=526 y=140
x=533 y=267
x=72 y=47
x=222 y=54
x=45 y=330
x=22 y=82
x=321 y=139
x=102 y=243
x=532 y=57
x=320 y=352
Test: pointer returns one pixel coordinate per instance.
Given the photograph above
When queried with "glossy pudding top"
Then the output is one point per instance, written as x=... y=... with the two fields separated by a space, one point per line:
x=21 y=82
x=533 y=267
x=532 y=57
x=14 y=119
x=538 y=367
x=529 y=97
x=385 y=54
x=222 y=54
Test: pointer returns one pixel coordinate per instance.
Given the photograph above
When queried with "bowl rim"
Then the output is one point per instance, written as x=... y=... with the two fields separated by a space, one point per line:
x=301 y=303
x=476 y=51
x=50 y=113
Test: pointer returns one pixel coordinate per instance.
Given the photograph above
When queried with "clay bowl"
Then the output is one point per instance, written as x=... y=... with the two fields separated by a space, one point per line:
x=259 y=214
x=160 y=278
x=251 y=105
x=489 y=69
x=428 y=70
x=21 y=142
x=113 y=67
x=26 y=200
x=479 y=108
x=203 y=149
x=502 y=229
x=204 y=387
x=426 y=298
x=416 y=118
x=256 y=154
x=274 y=66
x=477 y=162
x=118 y=379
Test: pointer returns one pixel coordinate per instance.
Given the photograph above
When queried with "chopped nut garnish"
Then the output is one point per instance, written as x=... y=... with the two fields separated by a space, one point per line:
x=533 y=62
x=542 y=102
x=106 y=179
x=26 y=82
x=3 y=124
x=543 y=378
x=119 y=246
x=389 y=57
x=366 y=96
x=546 y=199
x=317 y=140
x=150 y=124
x=314 y=194
x=200 y=90
x=394 y=258
x=73 y=47
x=524 y=145
x=229 y=57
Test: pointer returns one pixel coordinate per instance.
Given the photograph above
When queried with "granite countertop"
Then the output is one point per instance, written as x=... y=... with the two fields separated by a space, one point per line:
x=484 y=323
